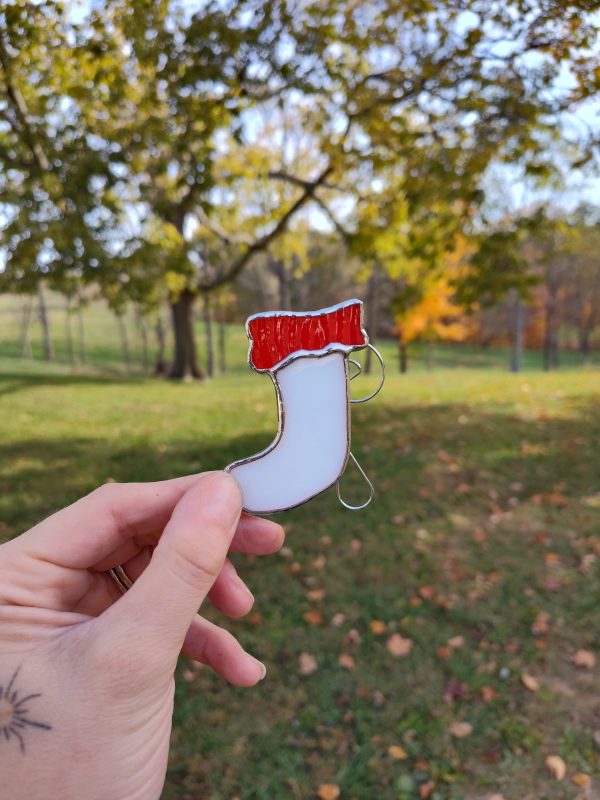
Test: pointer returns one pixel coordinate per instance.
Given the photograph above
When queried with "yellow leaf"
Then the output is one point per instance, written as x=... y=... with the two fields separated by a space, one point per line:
x=328 y=791
x=397 y=753
x=556 y=767
x=582 y=780
x=378 y=627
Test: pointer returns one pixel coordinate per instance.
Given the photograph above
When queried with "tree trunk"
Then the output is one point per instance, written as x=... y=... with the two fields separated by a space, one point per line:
x=69 y=331
x=517 y=335
x=144 y=337
x=430 y=356
x=584 y=336
x=124 y=340
x=403 y=358
x=372 y=314
x=222 y=340
x=208 y=330
x=45 y=321
x=25 y=345
x=550 y=343
x=82 y=356
x=160 y=366
x=186 y=363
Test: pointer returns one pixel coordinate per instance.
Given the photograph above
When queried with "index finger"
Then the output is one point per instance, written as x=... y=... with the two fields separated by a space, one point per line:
x=83 y=533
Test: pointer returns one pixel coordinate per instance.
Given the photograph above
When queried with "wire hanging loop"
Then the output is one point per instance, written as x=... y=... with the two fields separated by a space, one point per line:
x=381 y=380
x=358 y=368
x=368 y=482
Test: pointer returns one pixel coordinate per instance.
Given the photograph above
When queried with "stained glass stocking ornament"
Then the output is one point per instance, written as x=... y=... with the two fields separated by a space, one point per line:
x=307 y=355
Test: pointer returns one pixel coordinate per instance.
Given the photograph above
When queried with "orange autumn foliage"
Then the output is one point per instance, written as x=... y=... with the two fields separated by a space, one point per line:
x=435 y=317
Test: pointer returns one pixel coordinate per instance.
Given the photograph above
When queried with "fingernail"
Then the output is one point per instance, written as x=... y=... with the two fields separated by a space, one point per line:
x=263 y=669
x=223 y=498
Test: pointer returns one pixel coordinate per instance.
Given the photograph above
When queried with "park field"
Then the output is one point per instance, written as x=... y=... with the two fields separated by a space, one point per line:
x=440 y=644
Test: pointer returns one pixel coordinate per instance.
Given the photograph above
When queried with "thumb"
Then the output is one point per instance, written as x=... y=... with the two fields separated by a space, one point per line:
x=164 y=600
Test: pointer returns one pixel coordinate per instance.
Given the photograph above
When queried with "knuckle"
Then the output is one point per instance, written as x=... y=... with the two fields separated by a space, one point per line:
x=195 y=568
x=107 y=492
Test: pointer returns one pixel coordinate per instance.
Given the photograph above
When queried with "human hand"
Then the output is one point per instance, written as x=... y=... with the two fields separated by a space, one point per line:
x=87 y=672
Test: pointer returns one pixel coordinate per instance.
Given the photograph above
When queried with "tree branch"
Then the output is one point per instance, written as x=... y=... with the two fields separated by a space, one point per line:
x=20 y=108
x=261 y=244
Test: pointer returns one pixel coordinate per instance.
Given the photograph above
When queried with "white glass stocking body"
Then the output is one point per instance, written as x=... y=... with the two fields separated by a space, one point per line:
x=310 y=451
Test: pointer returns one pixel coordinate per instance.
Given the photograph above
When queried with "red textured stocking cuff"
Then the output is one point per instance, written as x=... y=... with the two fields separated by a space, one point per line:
x=275 y=337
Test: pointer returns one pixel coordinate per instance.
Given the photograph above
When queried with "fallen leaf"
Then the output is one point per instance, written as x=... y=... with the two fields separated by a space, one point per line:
x=397 y=753
x=328 y=791
x=495 y=796
x=426 y=592
x=307 y=664
x=255 y=619
x=378 y=699
x=460 y=729
x=353 y=637
x=556 y=767
x=541 y=624
x=582 y=780
x=313 y=617
x=337 y=620
x=584 y=659
x=456 y=641
x=488 y=694
x=346 y=661
x=315 y=595
x=319 y=562
x=398 y=646
x=356 y=545
x=529 y=682
x=378 y=627
x=425 y=789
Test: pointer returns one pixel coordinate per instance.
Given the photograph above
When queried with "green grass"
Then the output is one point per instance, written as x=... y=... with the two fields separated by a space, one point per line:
x=487 y=513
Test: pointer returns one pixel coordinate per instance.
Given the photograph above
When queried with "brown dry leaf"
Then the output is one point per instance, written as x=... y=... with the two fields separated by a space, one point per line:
x=315 y=595
x=398 y=519
x=541 y=624
x=488 y=694
x=313 y=617
x=337 y=620
x=426 y=592
x=397 y=753
x=378 y=627
x=319 y=562
x=443 y=652
x=456 y=641
x=398 y=646
x=328 y=791
x=495 y=796
x=556 y=767
x=529 y=682
x=460 y=729
x=584 y=659
x=307 y=664
x=582 y=780
x=355 y=545
x=255 y=619
x=353 y=637
x=346 y=661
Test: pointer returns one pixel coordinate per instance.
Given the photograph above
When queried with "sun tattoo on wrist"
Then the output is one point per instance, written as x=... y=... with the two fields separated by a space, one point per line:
x=14 y=712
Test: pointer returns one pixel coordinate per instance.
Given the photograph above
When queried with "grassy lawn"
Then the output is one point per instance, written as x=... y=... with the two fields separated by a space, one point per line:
x=480 y=548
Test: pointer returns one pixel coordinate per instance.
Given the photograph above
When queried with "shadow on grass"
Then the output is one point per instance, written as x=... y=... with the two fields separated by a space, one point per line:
x=12 y=382
x=417 y=457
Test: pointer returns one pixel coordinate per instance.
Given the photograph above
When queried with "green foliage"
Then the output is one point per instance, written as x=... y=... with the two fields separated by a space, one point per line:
x=116 y=123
